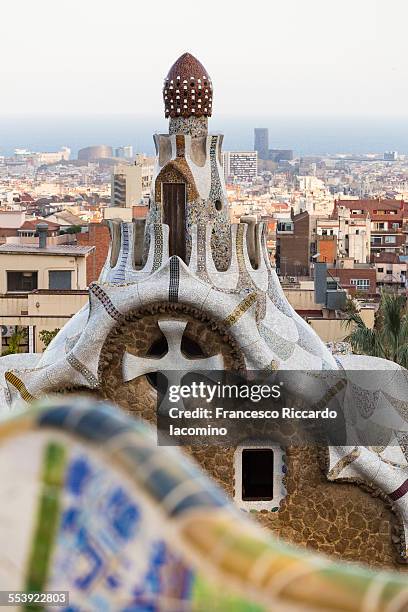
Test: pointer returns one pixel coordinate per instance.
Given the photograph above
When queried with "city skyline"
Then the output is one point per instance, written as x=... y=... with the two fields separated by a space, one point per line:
x=306 y=136
x=283 y=59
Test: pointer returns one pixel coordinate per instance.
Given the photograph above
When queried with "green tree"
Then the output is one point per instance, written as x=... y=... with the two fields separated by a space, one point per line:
x=15 y=341
x=350 y=307
x=71 y=229
x=47 y=335
x=389 y=337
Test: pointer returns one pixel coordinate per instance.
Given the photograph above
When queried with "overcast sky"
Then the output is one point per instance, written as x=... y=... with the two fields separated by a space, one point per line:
x=265 y=57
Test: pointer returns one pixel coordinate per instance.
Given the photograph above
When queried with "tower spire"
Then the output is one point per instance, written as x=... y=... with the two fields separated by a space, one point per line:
x=188 y=96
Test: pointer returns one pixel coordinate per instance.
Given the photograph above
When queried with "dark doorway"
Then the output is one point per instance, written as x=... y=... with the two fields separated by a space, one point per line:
x=257 y=474
x=174 y=215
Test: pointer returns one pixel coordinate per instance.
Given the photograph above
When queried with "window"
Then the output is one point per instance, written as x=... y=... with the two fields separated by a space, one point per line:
x=285 y=226
x=59 y=279
x=389 y=271
x=23 y=282
x=375 y=239
x=259 y=472
x=357 y=232
x=390 y=239
x=380 y=270
x=361 y=283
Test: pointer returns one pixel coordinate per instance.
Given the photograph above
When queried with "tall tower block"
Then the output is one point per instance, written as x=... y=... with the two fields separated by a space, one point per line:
x=261 y=142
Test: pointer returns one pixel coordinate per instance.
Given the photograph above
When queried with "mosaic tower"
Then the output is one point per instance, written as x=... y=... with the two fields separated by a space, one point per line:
x=188 y=181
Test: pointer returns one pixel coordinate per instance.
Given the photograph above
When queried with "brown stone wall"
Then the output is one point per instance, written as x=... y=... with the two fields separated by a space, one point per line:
x=339 y=519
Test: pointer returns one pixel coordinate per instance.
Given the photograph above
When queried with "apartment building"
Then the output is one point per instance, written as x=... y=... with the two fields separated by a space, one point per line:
x=130 y=185
x=240 y=166
x=386 y=219
x=391 y=271
x=126 y=186
x=41 y=285
x=354 y=235
x=308 y=239
x=354 y=278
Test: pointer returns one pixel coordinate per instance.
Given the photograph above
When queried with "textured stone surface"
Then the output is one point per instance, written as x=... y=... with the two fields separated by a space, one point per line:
x=194 y=126
x=339 y=519
x=137 y=336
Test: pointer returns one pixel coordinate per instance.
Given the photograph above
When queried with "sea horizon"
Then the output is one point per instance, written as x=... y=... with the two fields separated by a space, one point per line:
x=305 y=135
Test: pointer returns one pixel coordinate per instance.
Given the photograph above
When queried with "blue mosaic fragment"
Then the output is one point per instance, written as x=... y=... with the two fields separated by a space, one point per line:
x=94 y=561
x=99 y=425
x=54 y=417
x=112 y=582
x=78 y=473
x=70 y=518
x=138 y=454
x=124 y=515
x=161 y=482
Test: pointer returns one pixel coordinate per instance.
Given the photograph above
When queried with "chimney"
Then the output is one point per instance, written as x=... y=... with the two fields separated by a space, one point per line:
x=42 y=230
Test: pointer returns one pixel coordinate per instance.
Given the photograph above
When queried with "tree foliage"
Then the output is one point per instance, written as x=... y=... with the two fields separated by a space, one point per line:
x=16 y=340
x=47 y=335
x=389 y=337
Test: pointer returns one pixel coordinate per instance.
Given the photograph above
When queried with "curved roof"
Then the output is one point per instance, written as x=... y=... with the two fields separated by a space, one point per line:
x=187 y=90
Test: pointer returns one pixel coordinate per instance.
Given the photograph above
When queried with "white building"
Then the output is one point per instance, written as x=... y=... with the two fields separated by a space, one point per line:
x=130 y=186
x=354 y=238
x=240 y=166
x=43 y=158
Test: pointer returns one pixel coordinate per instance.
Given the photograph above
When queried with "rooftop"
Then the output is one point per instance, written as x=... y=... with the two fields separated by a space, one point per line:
x=386 y=258
x=65 y=217
x=63 y=249
x=371 y=205
x=31 y=224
